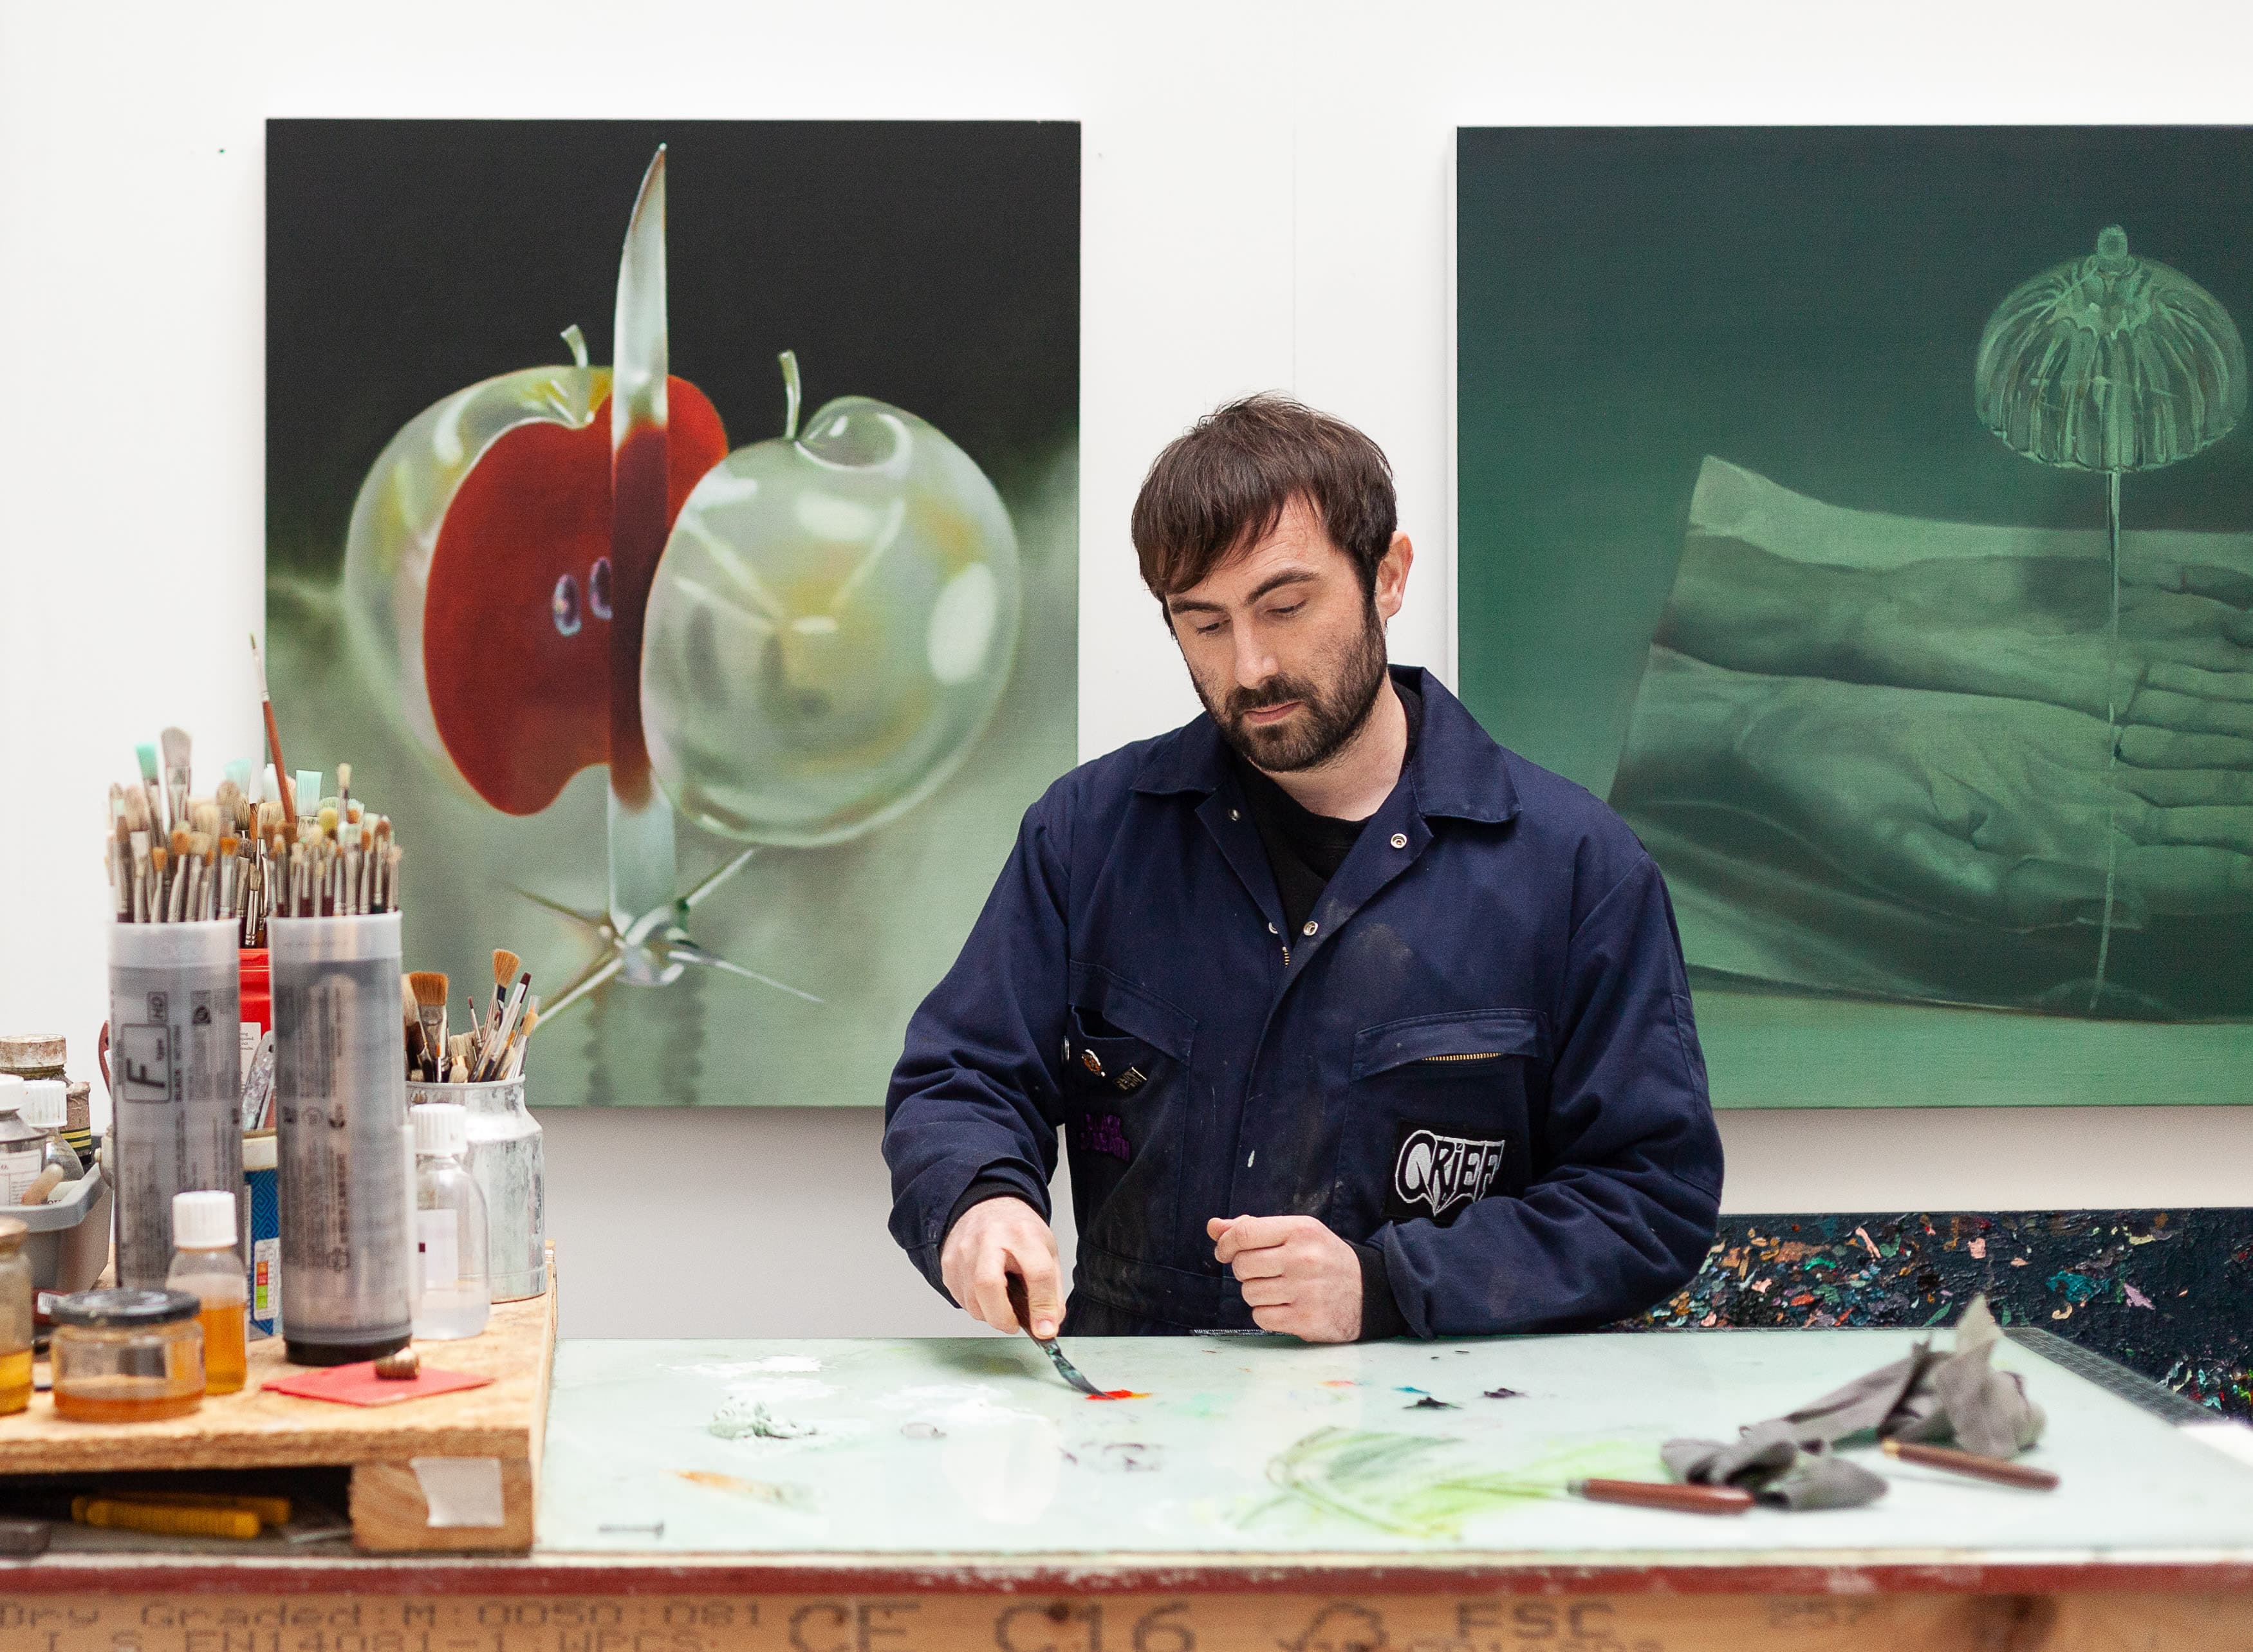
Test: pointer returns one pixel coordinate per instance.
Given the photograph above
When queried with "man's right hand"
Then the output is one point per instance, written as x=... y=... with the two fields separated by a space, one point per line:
x=996 y=1239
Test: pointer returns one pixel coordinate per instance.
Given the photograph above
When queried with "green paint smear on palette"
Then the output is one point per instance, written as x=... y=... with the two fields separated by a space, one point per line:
x=1416 y=1485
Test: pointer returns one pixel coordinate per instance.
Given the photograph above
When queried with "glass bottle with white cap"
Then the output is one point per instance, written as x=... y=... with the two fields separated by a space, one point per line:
x=22 y=1147
x=206 y=1265
x=46 y=1108
x=456 y=1292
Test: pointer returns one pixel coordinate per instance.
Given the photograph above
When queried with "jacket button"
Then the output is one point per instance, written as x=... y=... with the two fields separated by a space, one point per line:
x=1235 y=814
x=1311 y=927
x=1401 y=839
x=1271 y=930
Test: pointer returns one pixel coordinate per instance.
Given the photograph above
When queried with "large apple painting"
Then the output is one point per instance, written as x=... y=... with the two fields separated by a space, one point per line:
x=478 y=567
x=832 y=624
x=791 y=644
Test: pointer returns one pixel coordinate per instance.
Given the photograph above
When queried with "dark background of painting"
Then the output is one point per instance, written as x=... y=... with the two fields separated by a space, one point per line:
x=934 y=265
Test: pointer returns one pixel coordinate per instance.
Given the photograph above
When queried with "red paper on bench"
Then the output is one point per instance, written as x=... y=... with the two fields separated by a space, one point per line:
x=357 y=1384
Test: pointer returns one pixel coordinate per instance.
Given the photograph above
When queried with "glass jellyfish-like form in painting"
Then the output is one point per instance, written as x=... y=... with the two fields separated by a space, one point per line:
x=2109 y=364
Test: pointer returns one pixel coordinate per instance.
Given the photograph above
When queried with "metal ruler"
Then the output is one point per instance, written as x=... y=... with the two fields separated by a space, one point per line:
x=2112 y=1376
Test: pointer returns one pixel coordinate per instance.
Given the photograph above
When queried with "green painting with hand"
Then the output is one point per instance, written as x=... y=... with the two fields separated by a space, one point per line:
x=1866 y=514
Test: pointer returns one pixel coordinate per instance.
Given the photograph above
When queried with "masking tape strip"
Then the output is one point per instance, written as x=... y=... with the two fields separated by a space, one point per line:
x=461 y=1491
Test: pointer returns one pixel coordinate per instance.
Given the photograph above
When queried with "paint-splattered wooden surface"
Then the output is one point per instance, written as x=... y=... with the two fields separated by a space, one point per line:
x=1263 y=1445
x=2168 y=1293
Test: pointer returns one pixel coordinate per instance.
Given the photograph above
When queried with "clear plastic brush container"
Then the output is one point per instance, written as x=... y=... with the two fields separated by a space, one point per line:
x=340 y=1107
x=507 y=1158
x=175 y=1080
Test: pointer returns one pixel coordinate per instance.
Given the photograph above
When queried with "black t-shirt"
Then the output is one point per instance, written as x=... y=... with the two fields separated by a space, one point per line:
x=1304 y=849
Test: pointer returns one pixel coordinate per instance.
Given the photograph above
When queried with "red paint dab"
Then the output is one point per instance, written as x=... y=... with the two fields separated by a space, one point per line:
x=1119 y=1393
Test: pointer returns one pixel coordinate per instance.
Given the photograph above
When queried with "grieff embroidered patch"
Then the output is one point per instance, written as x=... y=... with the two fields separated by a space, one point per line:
x=1102 y=1132
x=1435 y=1174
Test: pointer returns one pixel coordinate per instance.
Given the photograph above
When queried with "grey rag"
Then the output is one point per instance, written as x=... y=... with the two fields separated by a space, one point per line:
x=1928 y=1396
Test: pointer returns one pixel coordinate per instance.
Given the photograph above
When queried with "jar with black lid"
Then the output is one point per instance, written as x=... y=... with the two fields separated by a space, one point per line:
x=127 y=1356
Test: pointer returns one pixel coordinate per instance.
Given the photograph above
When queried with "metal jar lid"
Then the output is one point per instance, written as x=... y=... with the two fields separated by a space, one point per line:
x=21 y=1052
x=124 y=1310
x=13 y=1232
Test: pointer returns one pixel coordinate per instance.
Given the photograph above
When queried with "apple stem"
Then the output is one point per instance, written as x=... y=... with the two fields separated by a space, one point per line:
x=577 y=340
x=792 y=392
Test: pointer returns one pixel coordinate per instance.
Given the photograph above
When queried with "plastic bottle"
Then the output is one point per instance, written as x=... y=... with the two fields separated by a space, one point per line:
x=456 y=1295
x=46 y=1108
x=22 y=1149
x=207 y=1265
x=15 y=1317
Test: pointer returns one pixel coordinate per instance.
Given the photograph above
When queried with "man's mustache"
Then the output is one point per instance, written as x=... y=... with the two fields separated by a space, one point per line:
x=1281 y=692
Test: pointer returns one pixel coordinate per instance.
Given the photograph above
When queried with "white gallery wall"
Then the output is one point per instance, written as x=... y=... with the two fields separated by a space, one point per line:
x=1267 y=204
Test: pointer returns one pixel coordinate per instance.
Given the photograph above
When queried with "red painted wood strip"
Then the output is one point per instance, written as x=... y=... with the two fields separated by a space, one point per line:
x=731 y=1575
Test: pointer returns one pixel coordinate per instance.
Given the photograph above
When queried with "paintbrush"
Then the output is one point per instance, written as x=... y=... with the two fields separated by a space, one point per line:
x=1681 y=1498
x=490 y=1069
x=120 y=855
x=428 y=986
x=513 y=1066
x=280 y=771
x=176 y=776
x=505 y=965
x=1065 y=1369
x=151 y=787
x=1973 y=1466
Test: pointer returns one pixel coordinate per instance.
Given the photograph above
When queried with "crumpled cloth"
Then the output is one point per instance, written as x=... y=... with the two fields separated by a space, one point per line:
x=1766 y=1461
x=1927 y=1395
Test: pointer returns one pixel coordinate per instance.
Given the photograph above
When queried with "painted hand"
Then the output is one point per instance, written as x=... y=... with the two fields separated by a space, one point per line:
x=996 y=1239
x=1298 y=1278
x=1999 y=808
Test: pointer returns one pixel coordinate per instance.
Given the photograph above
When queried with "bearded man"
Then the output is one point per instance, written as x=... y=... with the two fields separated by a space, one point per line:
x=1352 y=1023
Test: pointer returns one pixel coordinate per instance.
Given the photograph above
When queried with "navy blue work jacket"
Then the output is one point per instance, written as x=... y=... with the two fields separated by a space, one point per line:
x=1477 y=1054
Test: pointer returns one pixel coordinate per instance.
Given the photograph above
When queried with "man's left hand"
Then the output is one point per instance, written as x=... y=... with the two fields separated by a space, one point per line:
x=1298 y=1278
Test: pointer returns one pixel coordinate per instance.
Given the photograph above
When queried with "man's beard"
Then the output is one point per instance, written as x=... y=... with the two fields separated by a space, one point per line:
x=1329 y=716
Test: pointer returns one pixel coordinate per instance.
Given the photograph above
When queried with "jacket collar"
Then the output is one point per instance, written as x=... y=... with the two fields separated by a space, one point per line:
x=1457 y=770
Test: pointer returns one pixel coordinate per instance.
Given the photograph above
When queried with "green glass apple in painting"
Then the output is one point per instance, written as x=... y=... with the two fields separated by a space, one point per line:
x=832 y=624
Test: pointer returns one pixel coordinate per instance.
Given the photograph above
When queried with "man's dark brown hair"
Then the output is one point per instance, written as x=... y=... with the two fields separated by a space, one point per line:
x=1223 y=487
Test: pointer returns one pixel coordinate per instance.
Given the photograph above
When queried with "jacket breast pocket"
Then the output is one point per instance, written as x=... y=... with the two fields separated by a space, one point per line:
x=1123 y=1051
x=1446 y=1100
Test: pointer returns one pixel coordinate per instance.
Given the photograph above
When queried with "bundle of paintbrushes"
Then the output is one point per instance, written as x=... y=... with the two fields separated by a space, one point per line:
x=493 y=1048
x=241 y=853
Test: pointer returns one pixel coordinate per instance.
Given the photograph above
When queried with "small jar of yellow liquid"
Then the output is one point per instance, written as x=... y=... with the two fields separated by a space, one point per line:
x=15 y=1317
x=206 y=1265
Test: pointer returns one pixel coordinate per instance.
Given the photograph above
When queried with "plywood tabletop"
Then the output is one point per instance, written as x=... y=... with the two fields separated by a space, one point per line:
x=256 y=1429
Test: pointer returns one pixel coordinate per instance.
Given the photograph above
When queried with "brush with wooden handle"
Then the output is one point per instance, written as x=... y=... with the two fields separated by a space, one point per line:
x=1680 y=1498
x=1972 y=1466
x=428 y=986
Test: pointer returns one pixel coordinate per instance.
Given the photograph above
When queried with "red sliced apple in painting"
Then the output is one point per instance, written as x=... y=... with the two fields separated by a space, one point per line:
x=478 y=567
